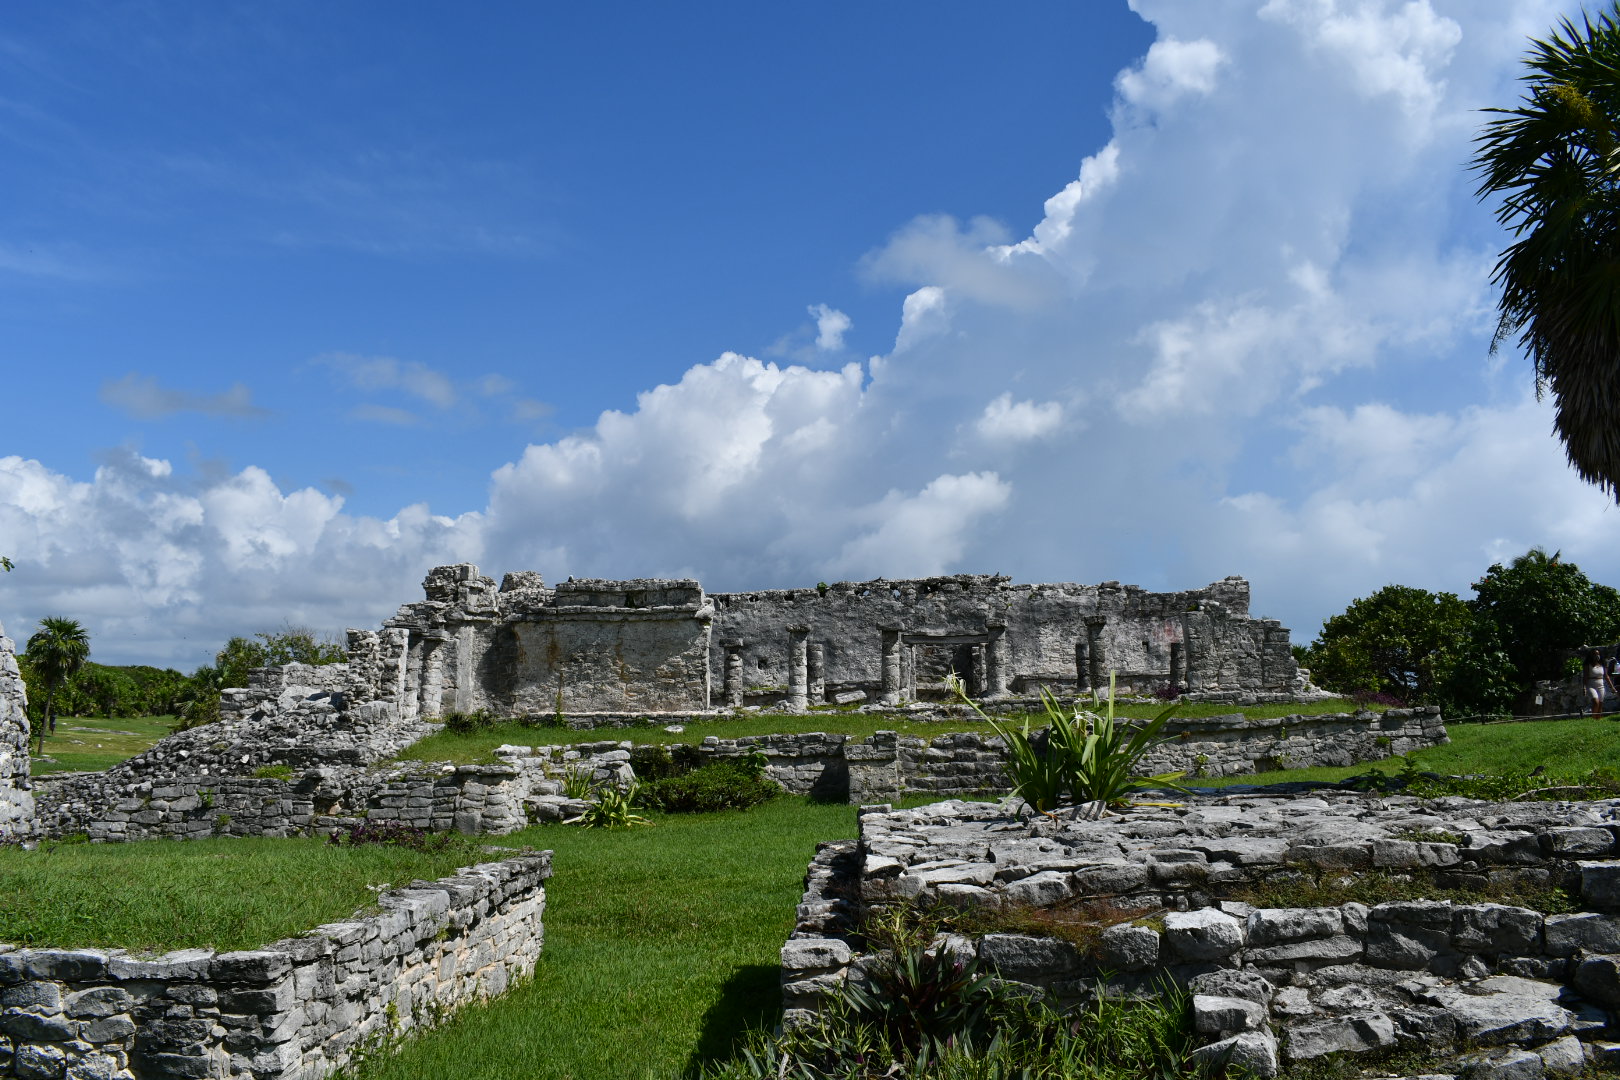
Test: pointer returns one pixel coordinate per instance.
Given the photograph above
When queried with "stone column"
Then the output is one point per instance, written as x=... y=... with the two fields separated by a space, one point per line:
x=1097 y=651
x=432 y=674
x=997 y=663
x=798 y=668
x=1082 y=666
x=733 y=687
x=17 y=813
x=1178 y=665
x=980 y=673
x=891 y=666
x=818 y=674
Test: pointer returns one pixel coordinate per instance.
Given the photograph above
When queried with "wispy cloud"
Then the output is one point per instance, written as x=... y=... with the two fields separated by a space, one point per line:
x=387 y=373
x=141 y=397
x=385 y=414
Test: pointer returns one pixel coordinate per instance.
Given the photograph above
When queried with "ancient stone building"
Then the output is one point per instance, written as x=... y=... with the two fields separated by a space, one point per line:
x=660 y=646
x=16 y=794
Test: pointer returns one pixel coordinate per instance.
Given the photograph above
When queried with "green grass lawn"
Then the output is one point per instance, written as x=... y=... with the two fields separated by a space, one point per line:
x=661 y=950
x=1568 y=748
x=228 y=893
x=480 y=745
x=97 y=742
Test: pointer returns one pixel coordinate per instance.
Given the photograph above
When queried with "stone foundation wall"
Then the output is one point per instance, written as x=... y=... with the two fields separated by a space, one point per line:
x=140 y=802
x=299 y=1008
x=485 y=799
x=16 y=792
x=1482 y=985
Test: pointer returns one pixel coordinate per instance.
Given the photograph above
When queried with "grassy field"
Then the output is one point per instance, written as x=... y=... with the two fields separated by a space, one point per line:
x=1567 y=748
x=228 y=893
x=661 y=949
x=97 y=742
x=480 y=745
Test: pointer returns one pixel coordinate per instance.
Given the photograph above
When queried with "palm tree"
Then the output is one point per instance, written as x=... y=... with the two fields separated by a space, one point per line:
x=58 y=649
x=1555 y=160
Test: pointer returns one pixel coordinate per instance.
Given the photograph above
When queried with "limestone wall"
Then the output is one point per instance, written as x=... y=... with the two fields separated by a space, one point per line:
x=299 y=1008
x=665 y=646
x=16 y=792
x=1003 y=637
x=167 y=796
x=1481 y=985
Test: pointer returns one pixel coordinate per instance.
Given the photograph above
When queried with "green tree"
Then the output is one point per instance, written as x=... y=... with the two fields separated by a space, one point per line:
x=1401 y=641
x=289 y=645
x=56 y=650
x=1541 y=609
x=1555 y=162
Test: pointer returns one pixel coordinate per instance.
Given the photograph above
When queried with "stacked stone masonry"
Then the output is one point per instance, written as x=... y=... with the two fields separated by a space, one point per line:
x=297 y=1009
x=16 y=791
x=165 y=798
x=1493 y=990
x=664 y=646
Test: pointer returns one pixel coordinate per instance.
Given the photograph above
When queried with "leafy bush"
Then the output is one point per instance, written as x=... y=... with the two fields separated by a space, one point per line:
x=461 y=723
x=1112 y=1039
x=1376 y=697
x=921 y=994
x=732 y=784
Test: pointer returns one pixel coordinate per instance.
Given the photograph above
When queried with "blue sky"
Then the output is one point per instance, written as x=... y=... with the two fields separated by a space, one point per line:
x=299 y=300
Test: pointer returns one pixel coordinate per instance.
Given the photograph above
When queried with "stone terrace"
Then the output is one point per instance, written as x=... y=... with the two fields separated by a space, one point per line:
x=1514 y=988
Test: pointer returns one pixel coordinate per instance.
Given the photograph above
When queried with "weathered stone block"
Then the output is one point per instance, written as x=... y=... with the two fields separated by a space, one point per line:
x=1205 y=934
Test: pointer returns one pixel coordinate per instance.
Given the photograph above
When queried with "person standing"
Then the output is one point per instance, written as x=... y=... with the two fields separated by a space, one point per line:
x=1597 y=682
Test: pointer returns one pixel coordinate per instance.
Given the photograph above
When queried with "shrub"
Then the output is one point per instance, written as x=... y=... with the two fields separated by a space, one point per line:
x=1376 y=697
x=460 y=723
x=395 y=833
x=733 y=784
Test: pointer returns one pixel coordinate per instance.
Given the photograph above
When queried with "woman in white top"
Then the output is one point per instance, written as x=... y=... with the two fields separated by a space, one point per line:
x=1597 y=681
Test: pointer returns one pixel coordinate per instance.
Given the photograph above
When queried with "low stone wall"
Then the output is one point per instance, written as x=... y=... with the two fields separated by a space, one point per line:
x=475 y=799
x=163 y=794
x=16 y=791
x=299 y=1008
x=887 y=765
x=1488 y=983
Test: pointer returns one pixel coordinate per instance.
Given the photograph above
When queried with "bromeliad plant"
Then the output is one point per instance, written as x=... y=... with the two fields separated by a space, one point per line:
x=1084 y=756
x=614 y=808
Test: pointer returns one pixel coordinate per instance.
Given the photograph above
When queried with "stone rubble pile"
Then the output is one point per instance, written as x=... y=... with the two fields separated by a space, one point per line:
x=1497 y=990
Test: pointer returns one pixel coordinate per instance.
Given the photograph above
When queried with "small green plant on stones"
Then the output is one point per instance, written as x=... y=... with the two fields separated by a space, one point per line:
x=614 y=808
x=1087 y=756
x=274 y=772
x=577 y=781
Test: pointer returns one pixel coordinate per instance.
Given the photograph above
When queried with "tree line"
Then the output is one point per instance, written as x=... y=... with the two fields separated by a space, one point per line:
x=1526 y=621
x=61 y=680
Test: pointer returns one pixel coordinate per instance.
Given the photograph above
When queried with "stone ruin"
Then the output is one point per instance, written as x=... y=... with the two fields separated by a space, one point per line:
x=16 y=790
x=1485 y=990
x=300 y=749
x=665 y=646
